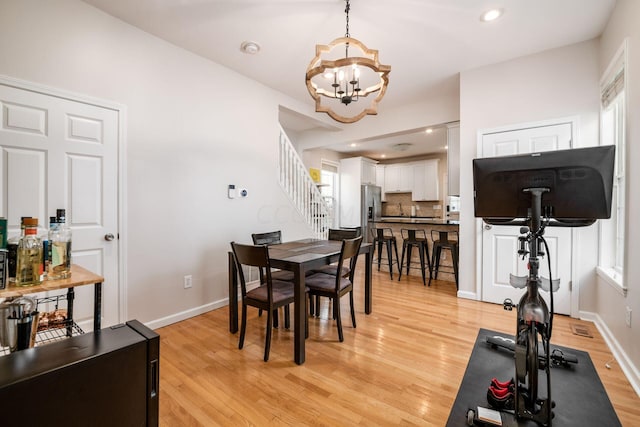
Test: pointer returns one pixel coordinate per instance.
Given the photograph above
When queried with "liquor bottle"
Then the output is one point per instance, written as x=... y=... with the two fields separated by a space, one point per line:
x=29 y=263
x=46 y=247
x=60 y=244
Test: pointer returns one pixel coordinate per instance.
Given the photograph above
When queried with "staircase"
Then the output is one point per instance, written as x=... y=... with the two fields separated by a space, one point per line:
x=303 y=192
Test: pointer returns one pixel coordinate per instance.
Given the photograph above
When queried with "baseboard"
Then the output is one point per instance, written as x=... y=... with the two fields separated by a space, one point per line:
x=186 y=314
x=468 y=295
x=627 y=366
x=196 y=311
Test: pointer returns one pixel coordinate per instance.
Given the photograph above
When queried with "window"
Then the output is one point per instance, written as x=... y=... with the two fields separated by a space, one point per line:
x=612 y=132
x=329 y=187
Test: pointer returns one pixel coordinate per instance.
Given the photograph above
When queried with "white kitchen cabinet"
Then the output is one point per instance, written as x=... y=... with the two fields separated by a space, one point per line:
x=368 y=173
x=354 y=172
x=398 y=178
x=425 y=181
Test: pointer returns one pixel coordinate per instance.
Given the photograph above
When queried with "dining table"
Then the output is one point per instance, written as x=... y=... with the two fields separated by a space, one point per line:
x=300 y=256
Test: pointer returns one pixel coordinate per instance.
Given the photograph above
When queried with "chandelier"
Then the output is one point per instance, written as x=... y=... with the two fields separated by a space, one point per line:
x=342 y=81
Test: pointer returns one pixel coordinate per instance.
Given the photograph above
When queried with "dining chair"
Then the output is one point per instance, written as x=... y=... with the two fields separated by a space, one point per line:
x=333 y=234
x=336 y=286
x=273 y=238
x=269 y=295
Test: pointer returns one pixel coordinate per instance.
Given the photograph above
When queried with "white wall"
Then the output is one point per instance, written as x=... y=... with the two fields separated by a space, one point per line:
x=610 y=304
x=187 y=139
x=554 y=84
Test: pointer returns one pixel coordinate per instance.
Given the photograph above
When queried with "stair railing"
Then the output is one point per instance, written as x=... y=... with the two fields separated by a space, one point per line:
x=301 y=189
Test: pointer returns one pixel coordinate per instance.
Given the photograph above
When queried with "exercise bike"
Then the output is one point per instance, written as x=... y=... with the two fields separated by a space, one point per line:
x=575 y=187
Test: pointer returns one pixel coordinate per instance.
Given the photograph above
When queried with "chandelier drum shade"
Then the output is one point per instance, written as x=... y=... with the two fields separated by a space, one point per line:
x=343 y=73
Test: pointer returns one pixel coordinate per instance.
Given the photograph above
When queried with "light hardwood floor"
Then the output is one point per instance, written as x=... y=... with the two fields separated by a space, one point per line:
x=402 y=365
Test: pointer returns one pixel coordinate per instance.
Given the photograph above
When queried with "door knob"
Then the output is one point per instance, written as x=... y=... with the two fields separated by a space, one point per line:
x=109 y=237
x=487 y=227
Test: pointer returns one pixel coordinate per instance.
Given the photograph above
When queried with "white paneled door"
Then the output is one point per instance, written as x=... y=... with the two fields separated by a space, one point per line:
x=59 y=153
x=500 y=243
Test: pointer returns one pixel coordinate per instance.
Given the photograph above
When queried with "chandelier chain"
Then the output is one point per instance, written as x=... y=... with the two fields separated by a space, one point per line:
x=346 y=10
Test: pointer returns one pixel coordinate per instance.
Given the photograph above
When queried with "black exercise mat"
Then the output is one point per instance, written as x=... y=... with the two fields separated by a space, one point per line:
x=580 y=397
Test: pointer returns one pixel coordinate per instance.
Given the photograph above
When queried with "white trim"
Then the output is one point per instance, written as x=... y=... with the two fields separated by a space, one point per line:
x=121 y=110
x=628 y=368
x=186 y=314
x=468 y=295
x=613 y=279
x=621 y=54
x=574 y=121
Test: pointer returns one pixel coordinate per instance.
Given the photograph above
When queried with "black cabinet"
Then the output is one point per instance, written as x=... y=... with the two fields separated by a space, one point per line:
x=108 y=377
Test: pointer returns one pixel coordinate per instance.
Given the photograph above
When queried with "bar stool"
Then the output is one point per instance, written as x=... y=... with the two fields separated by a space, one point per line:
x=441 y=241
x=417 y=238
x=385 y=236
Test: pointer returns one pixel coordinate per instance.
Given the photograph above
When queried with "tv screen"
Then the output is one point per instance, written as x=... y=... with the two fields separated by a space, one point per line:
x=579 y=181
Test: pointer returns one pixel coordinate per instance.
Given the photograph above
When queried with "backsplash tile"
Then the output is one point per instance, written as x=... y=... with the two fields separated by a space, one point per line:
x=395 y=200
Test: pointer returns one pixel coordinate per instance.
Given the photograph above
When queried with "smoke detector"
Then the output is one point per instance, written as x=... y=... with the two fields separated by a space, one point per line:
x=250 y=48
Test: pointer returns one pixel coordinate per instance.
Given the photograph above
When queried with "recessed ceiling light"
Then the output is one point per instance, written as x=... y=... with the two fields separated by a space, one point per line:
x=353 y=144
x=429 y=130
x=249 y=47
x=383 y=155
x=446 y=147
x=491 y=15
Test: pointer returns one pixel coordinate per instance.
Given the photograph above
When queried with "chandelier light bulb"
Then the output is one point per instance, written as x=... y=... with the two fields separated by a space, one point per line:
x=341 y=75
x=328 y=75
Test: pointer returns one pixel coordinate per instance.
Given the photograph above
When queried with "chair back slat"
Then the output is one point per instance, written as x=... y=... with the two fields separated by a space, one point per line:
x=341 y=234
x=270 y=238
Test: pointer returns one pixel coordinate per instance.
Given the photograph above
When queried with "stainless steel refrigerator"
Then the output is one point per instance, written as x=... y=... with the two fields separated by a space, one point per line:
x=370 y=209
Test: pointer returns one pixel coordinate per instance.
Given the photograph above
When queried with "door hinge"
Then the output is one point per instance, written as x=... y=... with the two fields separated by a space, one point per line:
x=570 y=285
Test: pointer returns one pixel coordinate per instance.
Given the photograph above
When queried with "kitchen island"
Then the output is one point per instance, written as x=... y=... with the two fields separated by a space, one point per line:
x=397 y=223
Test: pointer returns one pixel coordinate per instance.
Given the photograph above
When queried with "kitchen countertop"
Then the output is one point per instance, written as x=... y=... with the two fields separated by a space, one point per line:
x=417 y=220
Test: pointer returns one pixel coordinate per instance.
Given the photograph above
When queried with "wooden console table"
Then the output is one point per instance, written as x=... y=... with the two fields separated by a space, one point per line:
x=79 y=277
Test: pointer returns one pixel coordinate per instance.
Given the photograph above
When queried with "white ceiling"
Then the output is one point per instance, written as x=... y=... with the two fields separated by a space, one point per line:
x=426 y=42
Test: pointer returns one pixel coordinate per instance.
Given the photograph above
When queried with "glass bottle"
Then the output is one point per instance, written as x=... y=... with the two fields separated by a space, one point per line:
x=29 y=263
x=60 y=244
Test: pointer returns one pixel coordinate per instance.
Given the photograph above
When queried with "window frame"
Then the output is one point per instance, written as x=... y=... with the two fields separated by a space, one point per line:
x=612 y=232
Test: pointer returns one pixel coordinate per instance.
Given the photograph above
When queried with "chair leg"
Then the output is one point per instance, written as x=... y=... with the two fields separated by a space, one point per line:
x=336 y=304
x=311 y=305
x=395 y=247
x=243 y=326
x=306 y=318
x=317 y=305
x=275 y=318
x=287 y=317
x=259 y=312
x=404 y=246
x=435 y=261
x=390 y=260
x=426 y=251
x=379 y=253
x=422 y=266
x=267 y=341
x=454 y=256
x=353 y=311
x=409 y=248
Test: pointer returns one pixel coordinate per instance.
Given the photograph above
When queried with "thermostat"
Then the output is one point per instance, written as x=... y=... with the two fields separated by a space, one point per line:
x=232 y=191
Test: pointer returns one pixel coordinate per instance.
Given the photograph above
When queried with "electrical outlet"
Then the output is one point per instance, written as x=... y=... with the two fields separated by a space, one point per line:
x=627 y=316
x=188 y=281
